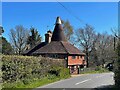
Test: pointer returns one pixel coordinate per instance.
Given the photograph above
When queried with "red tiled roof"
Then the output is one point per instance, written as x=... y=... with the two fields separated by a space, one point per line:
x=71 y=49
x=58 y=47
x=58 y=44
x=30 y=51
x=52 y=47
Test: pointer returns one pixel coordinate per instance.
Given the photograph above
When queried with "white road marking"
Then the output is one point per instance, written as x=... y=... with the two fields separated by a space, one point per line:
x=82 y=81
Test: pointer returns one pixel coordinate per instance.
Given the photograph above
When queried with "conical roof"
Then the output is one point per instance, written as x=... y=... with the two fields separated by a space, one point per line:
x=58 y=34
x=58 y=45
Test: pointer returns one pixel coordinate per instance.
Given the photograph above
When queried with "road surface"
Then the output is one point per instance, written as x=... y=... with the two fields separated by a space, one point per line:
x=84 y=81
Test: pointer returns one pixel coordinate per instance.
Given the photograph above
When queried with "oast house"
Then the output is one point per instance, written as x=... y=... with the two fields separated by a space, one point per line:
x=56 y=46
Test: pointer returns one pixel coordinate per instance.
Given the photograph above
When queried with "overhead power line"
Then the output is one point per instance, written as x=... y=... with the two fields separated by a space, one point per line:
x=70 y=12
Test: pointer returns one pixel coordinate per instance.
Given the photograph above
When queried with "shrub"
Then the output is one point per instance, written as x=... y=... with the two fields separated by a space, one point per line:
x=61 y=72
x=64 y=72
x=19 y=67
x=117 y=70
x=26 y=69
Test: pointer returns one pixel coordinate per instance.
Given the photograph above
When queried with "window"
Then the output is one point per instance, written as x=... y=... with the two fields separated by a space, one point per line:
x=73 y=57
x=55 y=56
x=77 y=57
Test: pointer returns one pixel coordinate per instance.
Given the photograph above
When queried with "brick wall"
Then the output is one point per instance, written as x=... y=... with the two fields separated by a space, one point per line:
x=75 y=61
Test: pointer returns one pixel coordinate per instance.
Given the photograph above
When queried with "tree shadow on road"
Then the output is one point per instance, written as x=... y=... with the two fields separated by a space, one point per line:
x=108 y=87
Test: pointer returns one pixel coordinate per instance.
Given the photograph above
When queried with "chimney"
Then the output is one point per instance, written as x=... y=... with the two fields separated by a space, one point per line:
x=48 y=36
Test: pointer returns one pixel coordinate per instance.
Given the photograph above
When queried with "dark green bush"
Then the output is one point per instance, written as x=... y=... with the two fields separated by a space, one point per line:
x=64 y=73
x=61 y=72
x=27 y=69
x=117 y=70
x=19 y=67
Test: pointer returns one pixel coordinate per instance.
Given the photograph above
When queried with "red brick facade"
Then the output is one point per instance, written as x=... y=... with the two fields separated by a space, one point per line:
x=78 y=60
x=75 y=63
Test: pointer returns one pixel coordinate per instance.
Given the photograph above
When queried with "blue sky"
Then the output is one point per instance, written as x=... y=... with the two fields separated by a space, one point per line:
x=101 y=15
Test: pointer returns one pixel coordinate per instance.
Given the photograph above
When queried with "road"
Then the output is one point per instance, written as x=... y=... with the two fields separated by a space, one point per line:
x=84 y=81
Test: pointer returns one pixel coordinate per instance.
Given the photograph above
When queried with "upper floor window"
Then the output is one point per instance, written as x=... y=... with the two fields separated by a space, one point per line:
x=73 y=57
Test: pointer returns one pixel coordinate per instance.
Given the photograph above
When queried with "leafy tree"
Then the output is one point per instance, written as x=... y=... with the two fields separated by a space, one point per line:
x=6 y=47
x=34 y=38
x=1 y=30
x=117 y=70
x=68 y=29
x=18 y=37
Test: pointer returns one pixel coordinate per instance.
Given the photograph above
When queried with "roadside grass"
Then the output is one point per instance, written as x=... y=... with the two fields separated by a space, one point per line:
x=45 y=80
x=33 y=83
x=93 y=71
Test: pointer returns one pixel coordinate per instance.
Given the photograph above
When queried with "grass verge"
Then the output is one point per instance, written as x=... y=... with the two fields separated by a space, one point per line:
x=32 y=83
x=92 y=71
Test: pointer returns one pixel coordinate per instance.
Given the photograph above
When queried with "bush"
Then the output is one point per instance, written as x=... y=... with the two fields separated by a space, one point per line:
x=61 y=72
x=26 y=69
x=64 y=73
x=117 y=70
x=101 y=69
x=19 y=67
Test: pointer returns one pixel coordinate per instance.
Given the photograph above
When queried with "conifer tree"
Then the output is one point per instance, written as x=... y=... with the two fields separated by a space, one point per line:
x=34 y=38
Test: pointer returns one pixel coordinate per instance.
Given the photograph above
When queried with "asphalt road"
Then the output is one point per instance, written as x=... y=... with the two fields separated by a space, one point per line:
x=84 y=81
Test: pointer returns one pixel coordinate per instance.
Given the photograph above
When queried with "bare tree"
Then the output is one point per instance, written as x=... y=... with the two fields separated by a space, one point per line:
x=86 y=38
x=116 y=32
x=105 y=48
x=18 y=37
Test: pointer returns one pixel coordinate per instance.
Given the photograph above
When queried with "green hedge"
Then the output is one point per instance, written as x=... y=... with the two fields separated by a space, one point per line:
x=20 y=67
x=27 y=69
x=117 y=70
x=60 y=72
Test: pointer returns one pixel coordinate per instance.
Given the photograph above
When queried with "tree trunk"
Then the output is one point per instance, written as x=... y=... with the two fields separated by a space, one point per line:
x=87 y=58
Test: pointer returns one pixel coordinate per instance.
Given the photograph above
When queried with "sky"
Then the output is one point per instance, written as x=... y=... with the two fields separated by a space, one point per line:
x=42 y=15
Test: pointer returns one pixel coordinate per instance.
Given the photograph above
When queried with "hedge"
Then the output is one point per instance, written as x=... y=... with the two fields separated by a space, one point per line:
x=117 y=70
x=28 y=68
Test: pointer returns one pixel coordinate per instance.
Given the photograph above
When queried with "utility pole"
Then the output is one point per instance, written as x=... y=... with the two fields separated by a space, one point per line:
x=114 y=43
